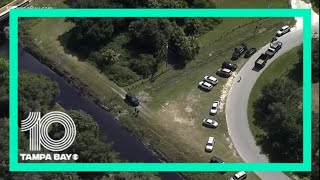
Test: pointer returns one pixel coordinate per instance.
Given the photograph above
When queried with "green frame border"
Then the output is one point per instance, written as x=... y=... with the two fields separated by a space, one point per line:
x=15 y=166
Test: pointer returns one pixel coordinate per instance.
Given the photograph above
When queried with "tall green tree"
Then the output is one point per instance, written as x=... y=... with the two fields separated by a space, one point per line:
x=36 y=93
x=278 y=113
x=4 y=83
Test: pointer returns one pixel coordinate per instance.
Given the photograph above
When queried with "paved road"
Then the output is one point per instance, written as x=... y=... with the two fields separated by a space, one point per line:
x=237 y=102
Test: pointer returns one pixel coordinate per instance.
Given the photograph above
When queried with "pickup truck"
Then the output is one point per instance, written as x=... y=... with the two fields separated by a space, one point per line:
x=274 y=48
x=261 y=61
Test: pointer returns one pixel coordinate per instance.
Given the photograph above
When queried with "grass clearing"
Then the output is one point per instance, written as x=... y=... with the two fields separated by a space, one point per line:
x=178 y=135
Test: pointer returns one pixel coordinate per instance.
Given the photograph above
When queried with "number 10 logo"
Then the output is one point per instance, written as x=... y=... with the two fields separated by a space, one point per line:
x=39 y=127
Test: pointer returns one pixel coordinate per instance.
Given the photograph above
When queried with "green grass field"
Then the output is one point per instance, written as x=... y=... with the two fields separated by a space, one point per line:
x=174 y=100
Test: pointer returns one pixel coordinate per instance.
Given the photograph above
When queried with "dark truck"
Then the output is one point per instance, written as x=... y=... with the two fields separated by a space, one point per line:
x=274 y=48
x=261 y=61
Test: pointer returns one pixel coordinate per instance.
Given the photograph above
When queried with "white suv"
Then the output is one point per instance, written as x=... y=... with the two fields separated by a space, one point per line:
x=239 y=176
x=211 y=79
x=215 y=107
x=205 y=85
x=284 y=30
x=210 y=144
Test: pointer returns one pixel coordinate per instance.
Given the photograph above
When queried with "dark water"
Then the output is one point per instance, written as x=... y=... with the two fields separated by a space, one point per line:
x=127 y=145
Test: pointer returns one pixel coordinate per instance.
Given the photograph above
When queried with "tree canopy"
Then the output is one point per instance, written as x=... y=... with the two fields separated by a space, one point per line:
x=122 y=47
x=36 y=93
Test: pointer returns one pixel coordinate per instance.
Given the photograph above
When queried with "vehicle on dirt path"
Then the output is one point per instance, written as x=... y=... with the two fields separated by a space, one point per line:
x=238 y=51
x=210 y=144
x=274 y=48
x=210 y=123
x=132 y=100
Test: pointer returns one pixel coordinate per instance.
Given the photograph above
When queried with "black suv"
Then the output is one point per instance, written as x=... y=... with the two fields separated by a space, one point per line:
x=229 y=65
x=216 y=159
x=132 y=100
x=250 y=52
x=238 y=51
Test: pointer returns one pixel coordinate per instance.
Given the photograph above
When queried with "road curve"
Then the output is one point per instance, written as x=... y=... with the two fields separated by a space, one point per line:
x=237 y=102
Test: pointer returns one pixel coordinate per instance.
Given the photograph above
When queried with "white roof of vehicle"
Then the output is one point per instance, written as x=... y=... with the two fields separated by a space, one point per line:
x=215 y=104
x=211 y=78
x=239 y=174
x=206 y=84
x=211 y=140
x=285 y=27
x=226 y=70
x=209 y=121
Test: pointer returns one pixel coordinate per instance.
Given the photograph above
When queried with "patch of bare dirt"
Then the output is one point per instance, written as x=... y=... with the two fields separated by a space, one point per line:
x=180 y=112
x=231 y=146
x=225 y=91
x=144 y=96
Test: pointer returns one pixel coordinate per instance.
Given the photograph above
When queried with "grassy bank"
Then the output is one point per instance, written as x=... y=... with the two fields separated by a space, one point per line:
x=176 y=107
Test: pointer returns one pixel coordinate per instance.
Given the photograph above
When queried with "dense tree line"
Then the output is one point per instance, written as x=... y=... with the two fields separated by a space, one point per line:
x=36 y=93
x=128 y=49
x=278 y=112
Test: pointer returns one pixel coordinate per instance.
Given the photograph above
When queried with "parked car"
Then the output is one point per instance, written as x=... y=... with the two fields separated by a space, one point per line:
x=284 y=30
x=215 y=107
x=274 y=48
x=250 y=52
x=224 y=72
x=238 y=51
x=205 y=85
x=229 y=65
x=212 y=80
x=132 y=100
x=261 y=61
x=210 y=123
x=216 y=159
x=239 y=176
x=274 y=39
x=210 y=144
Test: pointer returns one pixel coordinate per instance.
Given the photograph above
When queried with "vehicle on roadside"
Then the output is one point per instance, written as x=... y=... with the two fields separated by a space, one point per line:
x=224 y=72
x=274 y=39
x=205 y=85
x=132 y=100
x=274 y=48
x=210 y=144
x=216 y=159
x=284 y=30
x=239 y=176
x=214 y=107
x=238 y=51
x=250 y=52
x=229 y=65
x=211 y=79
x=261 y=61
x=210 y=123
